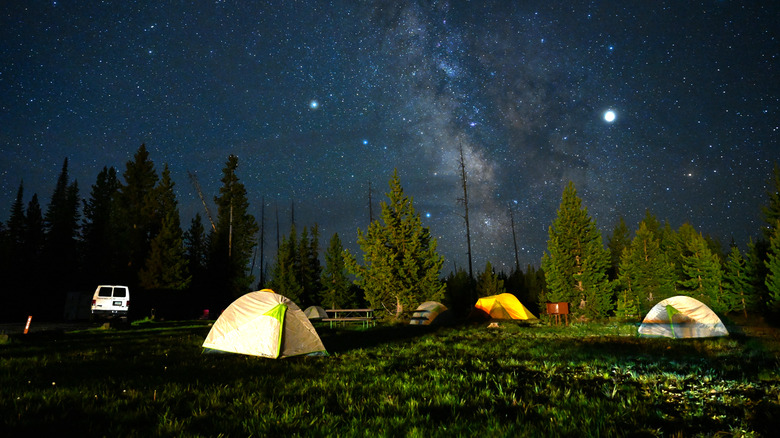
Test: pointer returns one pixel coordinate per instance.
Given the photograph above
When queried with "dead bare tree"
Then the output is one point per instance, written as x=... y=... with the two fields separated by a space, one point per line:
x=196 y=184
x=465 y=201
x=514 y=239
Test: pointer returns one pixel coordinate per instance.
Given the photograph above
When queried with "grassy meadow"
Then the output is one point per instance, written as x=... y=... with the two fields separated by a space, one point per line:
x=600 y=380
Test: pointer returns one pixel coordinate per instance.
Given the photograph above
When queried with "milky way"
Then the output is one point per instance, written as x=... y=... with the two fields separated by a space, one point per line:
x=319 y=99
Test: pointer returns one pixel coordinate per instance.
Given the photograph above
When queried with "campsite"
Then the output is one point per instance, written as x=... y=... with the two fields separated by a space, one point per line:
x=515 y=379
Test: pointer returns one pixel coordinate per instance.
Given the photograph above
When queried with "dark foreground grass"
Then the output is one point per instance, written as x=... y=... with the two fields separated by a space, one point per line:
x=583 y=380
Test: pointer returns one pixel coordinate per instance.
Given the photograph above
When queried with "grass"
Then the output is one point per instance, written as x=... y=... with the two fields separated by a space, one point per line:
x=151 y=379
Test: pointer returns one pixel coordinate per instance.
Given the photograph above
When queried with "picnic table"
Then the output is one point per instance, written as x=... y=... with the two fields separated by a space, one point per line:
x=364 y=316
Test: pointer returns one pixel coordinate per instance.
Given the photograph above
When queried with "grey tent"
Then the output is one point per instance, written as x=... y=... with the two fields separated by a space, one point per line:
x=264 y=324
x=682 y=317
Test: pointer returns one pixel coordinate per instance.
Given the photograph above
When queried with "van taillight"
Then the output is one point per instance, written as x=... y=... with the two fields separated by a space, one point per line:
x=127 y=303
x=93 y=302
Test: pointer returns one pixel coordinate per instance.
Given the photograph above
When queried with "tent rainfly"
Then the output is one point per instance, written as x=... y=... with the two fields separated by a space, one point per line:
x=502 y=306
x=682 y=317
x=427 y=313
x=315 y=312
x=264 y=324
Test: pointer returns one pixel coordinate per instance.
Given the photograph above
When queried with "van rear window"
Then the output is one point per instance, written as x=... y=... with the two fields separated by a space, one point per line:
x=120 y=292
x=104 y=292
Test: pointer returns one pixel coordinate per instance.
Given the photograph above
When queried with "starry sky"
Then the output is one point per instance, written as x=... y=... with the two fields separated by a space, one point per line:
x=670 y=106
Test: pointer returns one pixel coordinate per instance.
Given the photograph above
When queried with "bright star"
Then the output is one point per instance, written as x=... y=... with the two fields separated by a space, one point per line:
x=610 y=116
x=314 y=104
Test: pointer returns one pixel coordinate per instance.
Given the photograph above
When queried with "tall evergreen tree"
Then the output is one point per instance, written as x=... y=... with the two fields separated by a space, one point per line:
x=16 y=221
x=15 y=242
x=702 y=274
x=137 y=213
x=488 y=283
x=771 y=211
x=99 y=229
x=196 y=249
x=34 y=239
x=61 y=225
x=458 y=293
x=738 y=293
x=336 y=292
x=400 y=267
x=308 y=266
x=285 y=278
x=166 y=265
x=756 y=270
x=620 y=239
x=235 y=236
x=13 y=263
x=576 y=263
x=773 y=267
x=646 y=276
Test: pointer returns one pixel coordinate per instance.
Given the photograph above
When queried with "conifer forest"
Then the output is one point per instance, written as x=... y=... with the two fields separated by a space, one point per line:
x=126 y=228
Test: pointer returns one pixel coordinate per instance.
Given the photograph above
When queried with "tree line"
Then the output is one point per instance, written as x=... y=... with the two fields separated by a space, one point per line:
x=636 y=270
x=128 y=231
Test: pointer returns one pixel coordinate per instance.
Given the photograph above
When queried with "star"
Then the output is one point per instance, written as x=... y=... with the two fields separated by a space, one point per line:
x=314 y=104
x=610 y=116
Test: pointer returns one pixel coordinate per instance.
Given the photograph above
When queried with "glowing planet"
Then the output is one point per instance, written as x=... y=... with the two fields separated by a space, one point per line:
x=609 y=116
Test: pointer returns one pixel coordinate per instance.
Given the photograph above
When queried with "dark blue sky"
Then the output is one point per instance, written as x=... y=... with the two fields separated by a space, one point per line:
x=319 y=98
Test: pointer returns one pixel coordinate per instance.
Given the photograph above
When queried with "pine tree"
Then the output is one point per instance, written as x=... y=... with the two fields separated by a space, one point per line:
x=627 y=307
x=336 y=292
x=285 y=279
x=136 y=214
x=166 y=265
x=702 y=274
x=16 y=221
x=34 y=238
x=738 y=293
x=15 y=241
x=488 y=282
x=196 y=248
x=61 y=225
x=235 y=237
x=99 y=229
x=400 y=264
x=619 y=239
x=458 y=292
x=646 y=276
x=576 y=263
x=773 y=266
x=771 y=211
x=756 y=270
x=308 y=266
x=14 y=263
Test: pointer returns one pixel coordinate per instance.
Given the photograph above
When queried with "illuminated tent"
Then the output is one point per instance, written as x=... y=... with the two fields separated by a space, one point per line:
x=315 y=312
x=682 y=317
x=502 y=306
x=264 y=324
x=428 y=312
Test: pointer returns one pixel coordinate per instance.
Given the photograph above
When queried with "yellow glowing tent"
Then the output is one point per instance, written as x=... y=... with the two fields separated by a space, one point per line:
x=503 y=306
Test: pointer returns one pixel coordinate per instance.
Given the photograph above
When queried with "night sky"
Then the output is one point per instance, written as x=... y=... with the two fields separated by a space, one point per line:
x=317 y=99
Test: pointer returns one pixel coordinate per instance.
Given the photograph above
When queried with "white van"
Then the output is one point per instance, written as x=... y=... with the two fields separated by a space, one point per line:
x=110 y=301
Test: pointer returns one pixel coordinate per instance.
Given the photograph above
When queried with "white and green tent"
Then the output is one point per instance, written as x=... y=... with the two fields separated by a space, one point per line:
x=264 y=324
x=682 y=317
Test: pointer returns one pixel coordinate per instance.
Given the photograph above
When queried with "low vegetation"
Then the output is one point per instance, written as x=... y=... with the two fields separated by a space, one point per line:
x=152 y=379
